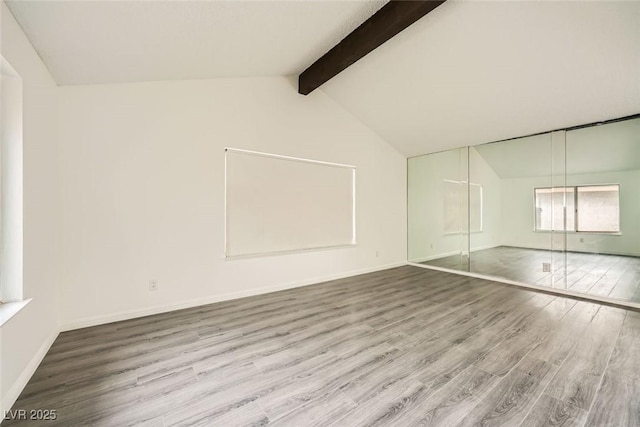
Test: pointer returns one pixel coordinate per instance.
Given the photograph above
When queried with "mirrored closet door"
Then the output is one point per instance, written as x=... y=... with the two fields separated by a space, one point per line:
x=559 y=209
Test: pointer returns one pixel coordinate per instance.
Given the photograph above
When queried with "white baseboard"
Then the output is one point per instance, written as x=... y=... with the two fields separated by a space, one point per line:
x=14 y=392
x=132 y=314
x=444 y=255
x=432 y=257
x=483 y=248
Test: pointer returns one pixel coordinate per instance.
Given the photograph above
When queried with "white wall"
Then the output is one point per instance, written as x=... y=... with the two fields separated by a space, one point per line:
x=25 y=338
x=426 y=174
x=518 y=215
x=425 y=205
x=481 y=173
x=142 y=191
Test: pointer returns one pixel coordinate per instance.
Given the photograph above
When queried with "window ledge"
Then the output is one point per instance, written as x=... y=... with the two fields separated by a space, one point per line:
x=593 y=233
x=10 y=309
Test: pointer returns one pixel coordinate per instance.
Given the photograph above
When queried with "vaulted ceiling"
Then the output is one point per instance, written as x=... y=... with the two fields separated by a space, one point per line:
x=107 y=41
x=469 y=72
x=612 y=147
x=472 y=72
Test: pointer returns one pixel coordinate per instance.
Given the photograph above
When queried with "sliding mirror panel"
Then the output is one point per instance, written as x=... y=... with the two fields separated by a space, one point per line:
x=562 y=210
x=559 y=210
x=603 y=238
x=519 y=212
x=438 y=209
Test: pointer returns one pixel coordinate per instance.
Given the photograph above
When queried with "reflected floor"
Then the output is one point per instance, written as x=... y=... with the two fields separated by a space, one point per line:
x=595 y=274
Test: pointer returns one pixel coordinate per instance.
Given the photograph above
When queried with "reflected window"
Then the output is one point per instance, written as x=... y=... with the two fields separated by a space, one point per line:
x=550 y=212
x=590 y=209
x=599 y=209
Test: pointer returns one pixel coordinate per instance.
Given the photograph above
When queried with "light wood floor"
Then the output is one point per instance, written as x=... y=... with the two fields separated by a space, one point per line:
x=406 y=346
x=594 y=274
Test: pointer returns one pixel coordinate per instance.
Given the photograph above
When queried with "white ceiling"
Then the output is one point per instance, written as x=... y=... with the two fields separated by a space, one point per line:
x=518 y=158
x=469 y=72
x=614 y=147
x=472 y=72
x=125 y=41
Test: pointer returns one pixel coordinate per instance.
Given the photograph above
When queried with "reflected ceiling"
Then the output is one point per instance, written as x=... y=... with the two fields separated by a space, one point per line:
x=611 y=147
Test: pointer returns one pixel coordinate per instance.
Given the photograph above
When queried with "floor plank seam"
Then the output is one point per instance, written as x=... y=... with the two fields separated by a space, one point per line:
x=604 y=371
x=532 y=407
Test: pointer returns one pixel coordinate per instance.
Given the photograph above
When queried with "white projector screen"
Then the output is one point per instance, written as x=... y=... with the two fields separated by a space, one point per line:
x=455 y=207
x=280 y=204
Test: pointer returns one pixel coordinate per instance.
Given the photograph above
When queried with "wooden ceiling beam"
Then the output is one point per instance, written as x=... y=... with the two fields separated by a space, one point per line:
x=392 y=18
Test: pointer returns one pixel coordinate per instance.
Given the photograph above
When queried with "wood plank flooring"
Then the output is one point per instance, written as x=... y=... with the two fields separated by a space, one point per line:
x=594 y=274
x=405 y=346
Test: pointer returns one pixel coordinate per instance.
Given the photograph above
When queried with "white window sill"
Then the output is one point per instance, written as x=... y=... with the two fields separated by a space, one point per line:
x=594 y=233
x=10 y=309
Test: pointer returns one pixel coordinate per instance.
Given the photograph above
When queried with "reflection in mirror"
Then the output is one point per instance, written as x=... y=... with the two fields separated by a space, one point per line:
x=517 y=241
x=603 y=246
x=559 y=209
x=438 y=202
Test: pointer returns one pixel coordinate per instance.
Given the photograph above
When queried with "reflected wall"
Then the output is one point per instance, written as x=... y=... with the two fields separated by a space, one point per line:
x=438 y=208
x=559 y=209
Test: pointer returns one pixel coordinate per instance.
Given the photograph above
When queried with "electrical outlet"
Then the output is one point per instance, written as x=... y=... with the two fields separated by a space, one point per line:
x=546 y=267
x=377 y=254
x=153 y=285
x=582 y=240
